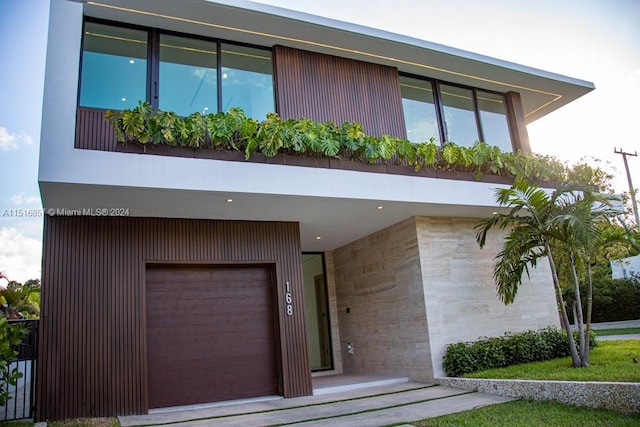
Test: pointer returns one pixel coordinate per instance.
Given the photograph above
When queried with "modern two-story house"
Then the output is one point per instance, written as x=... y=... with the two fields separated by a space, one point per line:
x=173 y=277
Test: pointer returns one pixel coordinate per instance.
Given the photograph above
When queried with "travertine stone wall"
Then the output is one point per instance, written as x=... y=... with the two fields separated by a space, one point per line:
x=404 y=293
x=381 y=307
x=459 y=290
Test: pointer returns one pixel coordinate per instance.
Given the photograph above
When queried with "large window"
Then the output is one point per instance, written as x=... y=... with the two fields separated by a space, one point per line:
x=493 y=117
x=247 y=80
x=454 y=113
x=459 y=115
x=188 y=75
x=419 y=108
x=114 y=67
x=121 y=66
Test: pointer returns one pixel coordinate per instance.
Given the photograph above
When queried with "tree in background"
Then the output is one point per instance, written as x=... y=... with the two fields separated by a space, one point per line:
x=11 y=335
x=545 y=224
x=19 y=301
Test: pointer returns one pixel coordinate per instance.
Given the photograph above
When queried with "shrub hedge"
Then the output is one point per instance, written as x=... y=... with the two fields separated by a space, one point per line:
x=510 y=349
x=615 y=300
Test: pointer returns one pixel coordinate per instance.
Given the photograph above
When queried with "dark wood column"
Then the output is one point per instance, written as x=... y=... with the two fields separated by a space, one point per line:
x=517 y=124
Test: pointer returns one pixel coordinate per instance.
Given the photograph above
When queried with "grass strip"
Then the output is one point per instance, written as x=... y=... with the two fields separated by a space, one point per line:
x=611 y=361
x=365 y=411
x=266 y=411
x=529 y=413
x=625 y=331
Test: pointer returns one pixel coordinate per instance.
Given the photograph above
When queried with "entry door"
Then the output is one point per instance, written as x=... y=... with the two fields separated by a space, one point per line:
x=210 y=334
x=317 y=313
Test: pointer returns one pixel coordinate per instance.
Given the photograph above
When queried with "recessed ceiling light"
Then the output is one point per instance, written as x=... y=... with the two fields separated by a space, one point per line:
x=229 y=200
x=318 y=237
x=379 y=207
x=131 y=61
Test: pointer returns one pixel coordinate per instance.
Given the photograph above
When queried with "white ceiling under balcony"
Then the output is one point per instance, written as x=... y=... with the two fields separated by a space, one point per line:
x=542 y=92
x=333 y=206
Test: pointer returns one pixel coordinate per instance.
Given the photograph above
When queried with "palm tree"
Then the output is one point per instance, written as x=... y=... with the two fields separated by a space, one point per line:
x=537 y=220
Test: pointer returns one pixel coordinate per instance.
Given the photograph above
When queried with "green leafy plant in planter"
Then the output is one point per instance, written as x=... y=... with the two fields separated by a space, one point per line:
x=232 y=130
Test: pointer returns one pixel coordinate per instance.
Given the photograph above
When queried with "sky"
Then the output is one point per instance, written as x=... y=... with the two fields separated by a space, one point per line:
x=593 y=40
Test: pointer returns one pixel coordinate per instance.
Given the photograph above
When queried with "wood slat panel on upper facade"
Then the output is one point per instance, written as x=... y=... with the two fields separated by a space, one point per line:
x=328 y=88
x=93 y=132
x=517 y=124
x=92 y=359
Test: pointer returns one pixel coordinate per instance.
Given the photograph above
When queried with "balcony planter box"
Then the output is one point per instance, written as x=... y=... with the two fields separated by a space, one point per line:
x=497 y=179
x=457 y=175
x=168 y=150
x=300 y=160
x=215 y=154
x=130 y=147
x=357 y=165
x=394 y=169
x=159 y=150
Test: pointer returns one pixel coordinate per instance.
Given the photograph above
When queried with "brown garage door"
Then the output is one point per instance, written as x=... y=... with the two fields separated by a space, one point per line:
x=210 y=334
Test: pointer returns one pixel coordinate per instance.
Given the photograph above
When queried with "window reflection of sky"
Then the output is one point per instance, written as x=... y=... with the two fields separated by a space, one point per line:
x=111 y=81
x=251 y=91
x=420 y=119
x=115 y=77
x=185 y=89
x=458 y=108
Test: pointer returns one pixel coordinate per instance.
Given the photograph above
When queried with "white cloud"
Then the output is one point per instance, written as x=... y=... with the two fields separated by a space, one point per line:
x=634 y=76
x=12 y=141
x=22 y=199
x=20 y=256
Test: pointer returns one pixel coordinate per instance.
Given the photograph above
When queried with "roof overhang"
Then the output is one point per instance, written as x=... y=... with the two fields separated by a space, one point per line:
x=542 y=92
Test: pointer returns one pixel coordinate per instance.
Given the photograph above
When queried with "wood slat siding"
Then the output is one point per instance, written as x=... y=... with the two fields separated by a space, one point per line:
x=92 y=359
x=328 y=88
x=93 y=132
x=517 y=123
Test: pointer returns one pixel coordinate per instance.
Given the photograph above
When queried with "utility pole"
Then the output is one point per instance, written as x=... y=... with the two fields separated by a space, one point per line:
x=631 y=190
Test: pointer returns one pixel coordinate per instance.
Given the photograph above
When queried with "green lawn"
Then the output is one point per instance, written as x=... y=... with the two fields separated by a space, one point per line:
x=525 y=413
x=617 y=360
x=626 y=331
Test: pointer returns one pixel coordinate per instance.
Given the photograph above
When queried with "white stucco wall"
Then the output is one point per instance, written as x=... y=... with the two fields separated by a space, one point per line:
x=459 y=290
x=623 y=268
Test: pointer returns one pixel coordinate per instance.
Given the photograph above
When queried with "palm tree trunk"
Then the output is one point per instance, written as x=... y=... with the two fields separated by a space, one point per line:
x=580 y=319
x=585 y=355
x=562 y=309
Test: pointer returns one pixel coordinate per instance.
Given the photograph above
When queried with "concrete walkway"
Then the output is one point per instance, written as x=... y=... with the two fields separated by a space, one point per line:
x=372 y=406
x=619 y=337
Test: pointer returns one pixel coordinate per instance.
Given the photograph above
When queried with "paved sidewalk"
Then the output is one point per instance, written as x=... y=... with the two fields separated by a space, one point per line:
x=370 y=407
x=619 y=337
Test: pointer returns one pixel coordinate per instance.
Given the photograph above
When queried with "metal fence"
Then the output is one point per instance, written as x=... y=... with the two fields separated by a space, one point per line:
x=21 y=403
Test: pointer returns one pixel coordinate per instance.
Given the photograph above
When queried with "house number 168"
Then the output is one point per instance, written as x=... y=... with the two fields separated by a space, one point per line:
x=288 y=299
